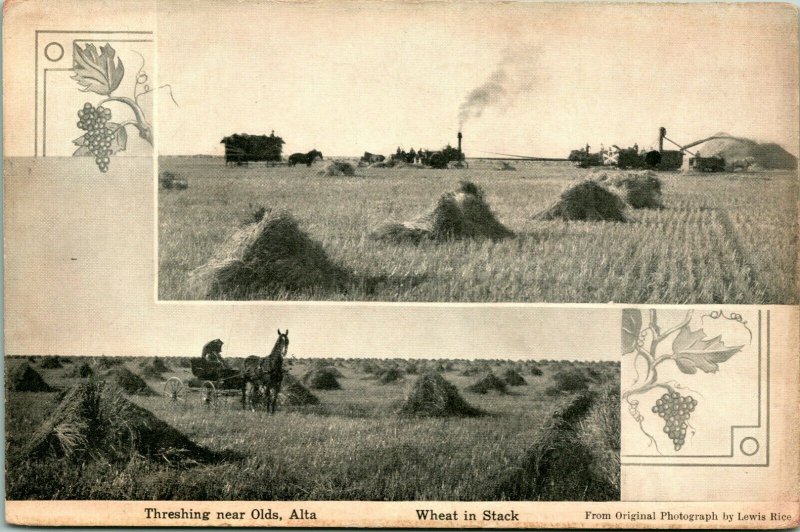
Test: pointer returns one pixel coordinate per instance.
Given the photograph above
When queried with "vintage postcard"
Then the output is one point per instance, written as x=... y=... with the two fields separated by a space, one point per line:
x=401 y=264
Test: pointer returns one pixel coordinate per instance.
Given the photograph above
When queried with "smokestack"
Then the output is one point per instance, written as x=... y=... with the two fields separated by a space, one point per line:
x=459 y=143
x=662 y=132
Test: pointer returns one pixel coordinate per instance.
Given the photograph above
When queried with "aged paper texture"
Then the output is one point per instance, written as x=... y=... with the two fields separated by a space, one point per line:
x=401 y=264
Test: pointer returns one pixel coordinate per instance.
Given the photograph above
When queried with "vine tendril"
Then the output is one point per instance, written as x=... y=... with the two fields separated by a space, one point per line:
x=733 y=316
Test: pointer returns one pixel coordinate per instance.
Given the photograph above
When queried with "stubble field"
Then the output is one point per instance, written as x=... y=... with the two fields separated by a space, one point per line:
x=722 y=238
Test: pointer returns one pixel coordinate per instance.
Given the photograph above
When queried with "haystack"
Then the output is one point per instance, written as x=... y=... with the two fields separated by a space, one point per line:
x=338 y=168
x=128 y=381
x=457 y=215
x=329 y=369
x=293 y=393
x=151 y=372
x=82 y=371
x=640 y=190
x=433 y=396
x=370 y=367
x=769 y=156
x=160 y=365
x=569 y=380
x=587 y=201
x=317 y=379
x=272 y=256
x=94 y=420
x=476 y=369
x=487 y=383
x=24 y=378
x=513 y=378
x=564 y=463
x=51 y=362
x=105 y=362
x=390 y=375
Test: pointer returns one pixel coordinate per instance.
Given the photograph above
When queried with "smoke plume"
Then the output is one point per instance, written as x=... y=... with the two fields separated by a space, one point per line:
x=513 y=76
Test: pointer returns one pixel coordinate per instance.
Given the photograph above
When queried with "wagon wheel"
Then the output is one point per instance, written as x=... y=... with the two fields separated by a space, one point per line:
x=174 y=390
x=209 y=394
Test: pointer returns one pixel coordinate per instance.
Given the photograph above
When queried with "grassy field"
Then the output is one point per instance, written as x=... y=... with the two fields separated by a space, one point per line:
x=353 y=445
x=722 y=238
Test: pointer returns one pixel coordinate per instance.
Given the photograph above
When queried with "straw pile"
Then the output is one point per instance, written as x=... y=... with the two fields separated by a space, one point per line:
x=433 y=396
x=269 y=257
x=128 y=381
x=338 y=168
x=488 y=383
x=293 y=393
x=513 y=378
x=457 y=215
x=587 y=201
x=319 y=379
x=95 y=421
x=23 y=378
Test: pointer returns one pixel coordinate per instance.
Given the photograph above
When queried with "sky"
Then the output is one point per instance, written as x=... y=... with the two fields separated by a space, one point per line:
x=352 y=77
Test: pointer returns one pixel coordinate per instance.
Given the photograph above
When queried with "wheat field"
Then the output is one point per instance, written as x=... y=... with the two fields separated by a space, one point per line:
x=722 y=238
x=353 y=445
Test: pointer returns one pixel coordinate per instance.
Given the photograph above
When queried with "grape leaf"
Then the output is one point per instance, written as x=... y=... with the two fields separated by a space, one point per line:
x=118 y=143
x=631 y=327
x=693 y=351
x=97 y=72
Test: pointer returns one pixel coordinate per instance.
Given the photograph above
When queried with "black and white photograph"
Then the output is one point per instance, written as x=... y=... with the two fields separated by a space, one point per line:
x=529 y=153
x=526 y=408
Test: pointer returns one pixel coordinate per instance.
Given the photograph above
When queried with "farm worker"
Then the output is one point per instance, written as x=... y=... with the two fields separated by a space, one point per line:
x=212 y=352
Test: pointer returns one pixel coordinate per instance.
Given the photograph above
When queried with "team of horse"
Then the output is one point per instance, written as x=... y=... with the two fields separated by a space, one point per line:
x=305 y=158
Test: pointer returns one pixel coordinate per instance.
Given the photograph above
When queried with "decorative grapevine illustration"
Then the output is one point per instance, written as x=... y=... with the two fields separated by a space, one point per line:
x=102 y=73
x=690 y=351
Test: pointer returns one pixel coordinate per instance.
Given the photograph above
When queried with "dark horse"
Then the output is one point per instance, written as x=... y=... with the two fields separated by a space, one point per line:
x=304 y=158
x=266 y=373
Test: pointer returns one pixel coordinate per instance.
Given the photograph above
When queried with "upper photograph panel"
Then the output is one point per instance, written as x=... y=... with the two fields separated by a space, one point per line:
x=478 y=153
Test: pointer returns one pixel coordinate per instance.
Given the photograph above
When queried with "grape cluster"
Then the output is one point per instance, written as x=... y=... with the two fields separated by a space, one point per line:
x=675 y=410
x=98 y=135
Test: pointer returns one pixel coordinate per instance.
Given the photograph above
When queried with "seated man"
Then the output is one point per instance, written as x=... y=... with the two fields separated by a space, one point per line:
x=212 y=352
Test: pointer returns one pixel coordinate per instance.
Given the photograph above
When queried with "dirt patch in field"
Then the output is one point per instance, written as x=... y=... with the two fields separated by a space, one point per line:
x=271 y=256
x=587 y=201
x=457 y=215
x=95 y=421
x=433 y=396
x=23 y=378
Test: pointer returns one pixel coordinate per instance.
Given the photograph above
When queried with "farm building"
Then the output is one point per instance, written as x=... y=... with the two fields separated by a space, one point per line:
x=244 y=148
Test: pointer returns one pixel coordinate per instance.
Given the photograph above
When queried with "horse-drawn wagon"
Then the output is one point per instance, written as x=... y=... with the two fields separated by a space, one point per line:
x=214 y=378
